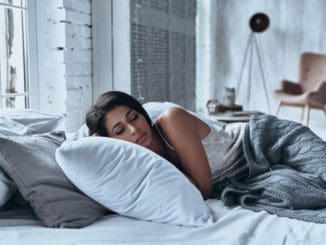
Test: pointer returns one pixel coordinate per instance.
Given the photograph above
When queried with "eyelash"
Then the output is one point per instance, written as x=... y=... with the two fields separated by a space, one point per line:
x=133 y=118
x=120 y=132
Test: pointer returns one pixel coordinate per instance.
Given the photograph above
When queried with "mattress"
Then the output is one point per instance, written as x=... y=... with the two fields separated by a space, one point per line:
x=232 y=226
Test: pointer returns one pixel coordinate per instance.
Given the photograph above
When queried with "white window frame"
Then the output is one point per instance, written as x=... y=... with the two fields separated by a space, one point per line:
x=102 y=46
x=32 y=16
x=31 y=56
x=111 y=46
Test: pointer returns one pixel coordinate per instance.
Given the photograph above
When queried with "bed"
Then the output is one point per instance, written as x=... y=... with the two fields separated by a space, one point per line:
x=228 y=225
x=233 y=226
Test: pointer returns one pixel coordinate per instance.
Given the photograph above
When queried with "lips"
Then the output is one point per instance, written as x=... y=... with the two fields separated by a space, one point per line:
x=141 y=139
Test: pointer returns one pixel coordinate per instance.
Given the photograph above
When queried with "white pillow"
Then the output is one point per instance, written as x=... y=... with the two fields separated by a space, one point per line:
x=132 y=181
x=155 y=108
x=82 y=132
x=15 y=122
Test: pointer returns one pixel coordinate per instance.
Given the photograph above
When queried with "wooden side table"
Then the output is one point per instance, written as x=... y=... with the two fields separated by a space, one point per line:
x=232 y=117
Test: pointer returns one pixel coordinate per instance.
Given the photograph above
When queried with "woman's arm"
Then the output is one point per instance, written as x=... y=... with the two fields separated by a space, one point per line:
x=184 y=132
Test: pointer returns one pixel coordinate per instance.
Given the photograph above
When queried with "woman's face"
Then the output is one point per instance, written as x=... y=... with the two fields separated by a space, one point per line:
x=127 y=124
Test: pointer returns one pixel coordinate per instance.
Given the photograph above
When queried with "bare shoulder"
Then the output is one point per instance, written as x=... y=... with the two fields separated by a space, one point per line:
x=177 y=119
x=184 y=132
x=175 y=115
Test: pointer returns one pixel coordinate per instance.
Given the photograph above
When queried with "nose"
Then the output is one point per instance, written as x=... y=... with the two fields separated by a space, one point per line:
x=132 y=129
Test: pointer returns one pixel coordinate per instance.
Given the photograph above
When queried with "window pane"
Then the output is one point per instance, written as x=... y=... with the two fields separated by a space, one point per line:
x=12 y=58
x=16 y=3
x=18 y=102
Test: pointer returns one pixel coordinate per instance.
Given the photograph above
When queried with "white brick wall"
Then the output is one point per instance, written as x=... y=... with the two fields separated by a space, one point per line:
x=65 y=48
x=77 y=58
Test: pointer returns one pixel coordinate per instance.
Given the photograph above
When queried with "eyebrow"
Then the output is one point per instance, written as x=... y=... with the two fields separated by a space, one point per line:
x=117 y=124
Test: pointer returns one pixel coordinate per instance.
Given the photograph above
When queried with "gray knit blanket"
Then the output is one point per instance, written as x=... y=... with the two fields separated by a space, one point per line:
x=287 y=171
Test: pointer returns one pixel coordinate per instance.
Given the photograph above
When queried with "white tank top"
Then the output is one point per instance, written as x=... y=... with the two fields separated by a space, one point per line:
x=223 y=147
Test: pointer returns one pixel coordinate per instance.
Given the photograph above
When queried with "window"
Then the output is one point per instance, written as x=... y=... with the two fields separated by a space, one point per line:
x=14 y=86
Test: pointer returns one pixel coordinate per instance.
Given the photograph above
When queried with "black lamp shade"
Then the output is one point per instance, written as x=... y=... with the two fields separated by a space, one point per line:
x=259 y=22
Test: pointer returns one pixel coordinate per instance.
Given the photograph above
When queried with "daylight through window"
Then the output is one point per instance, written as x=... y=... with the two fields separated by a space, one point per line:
x=14 y=91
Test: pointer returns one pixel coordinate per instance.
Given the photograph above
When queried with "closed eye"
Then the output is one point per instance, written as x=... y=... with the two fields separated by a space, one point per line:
x=133 y=117
x=119 y=131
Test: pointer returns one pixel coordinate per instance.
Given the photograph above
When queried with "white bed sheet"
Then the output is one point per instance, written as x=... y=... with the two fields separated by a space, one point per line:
x=232 y=226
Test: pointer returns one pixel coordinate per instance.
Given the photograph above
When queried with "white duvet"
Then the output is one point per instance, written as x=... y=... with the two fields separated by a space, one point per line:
x=232 y=226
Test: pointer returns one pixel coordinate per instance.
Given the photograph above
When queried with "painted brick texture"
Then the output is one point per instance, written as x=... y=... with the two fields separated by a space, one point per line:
x=67 y=57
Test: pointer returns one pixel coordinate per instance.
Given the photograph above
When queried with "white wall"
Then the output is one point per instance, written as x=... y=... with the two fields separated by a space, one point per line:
x=295 y=26
x=102 y=27
x=67 y=84
x=64 y=47
x=121 y=42
x=111 y=50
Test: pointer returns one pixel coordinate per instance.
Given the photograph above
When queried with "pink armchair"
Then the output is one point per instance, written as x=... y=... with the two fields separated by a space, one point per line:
x=310 y=91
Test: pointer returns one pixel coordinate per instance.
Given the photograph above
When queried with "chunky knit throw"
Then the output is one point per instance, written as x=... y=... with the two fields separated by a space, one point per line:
x=287 y=171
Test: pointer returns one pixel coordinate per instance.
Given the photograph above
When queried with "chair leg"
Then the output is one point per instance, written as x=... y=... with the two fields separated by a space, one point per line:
x=307 y=109
x=278 y=108
x=302 y=113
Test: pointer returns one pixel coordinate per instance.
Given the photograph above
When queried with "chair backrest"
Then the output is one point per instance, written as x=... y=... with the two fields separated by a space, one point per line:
x=312 y=70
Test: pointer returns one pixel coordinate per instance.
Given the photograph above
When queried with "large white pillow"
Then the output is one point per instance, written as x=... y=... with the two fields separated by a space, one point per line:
x=132 y=181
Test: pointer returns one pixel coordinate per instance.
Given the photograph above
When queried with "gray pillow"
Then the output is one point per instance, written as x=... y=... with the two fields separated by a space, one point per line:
x=30 y=162
x=7 y=188
x=15 y=122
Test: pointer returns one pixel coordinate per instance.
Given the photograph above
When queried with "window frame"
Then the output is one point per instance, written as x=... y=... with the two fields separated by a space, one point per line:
x=26 y=93
x=102 y=35
x=32 y=52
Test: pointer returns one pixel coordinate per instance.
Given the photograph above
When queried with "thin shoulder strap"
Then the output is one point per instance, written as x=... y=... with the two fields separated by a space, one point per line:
x=162 y=136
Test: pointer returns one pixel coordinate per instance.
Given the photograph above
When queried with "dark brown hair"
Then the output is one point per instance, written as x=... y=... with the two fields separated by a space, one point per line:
x=95 y=118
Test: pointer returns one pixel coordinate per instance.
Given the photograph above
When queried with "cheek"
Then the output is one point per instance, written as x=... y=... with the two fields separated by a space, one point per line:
x=149 y=135
x=148 y=128
x=124 y=137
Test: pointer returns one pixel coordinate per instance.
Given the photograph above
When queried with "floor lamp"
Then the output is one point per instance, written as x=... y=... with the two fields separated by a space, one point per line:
x=259 y=22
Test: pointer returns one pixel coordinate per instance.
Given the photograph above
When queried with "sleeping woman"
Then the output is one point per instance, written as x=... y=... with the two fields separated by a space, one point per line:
x=266 y=164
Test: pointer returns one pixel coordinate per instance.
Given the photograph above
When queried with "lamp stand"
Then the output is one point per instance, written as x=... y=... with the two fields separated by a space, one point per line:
x=253 y=49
